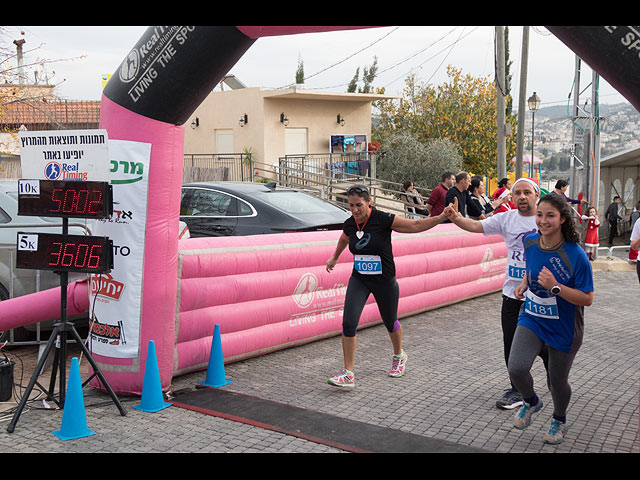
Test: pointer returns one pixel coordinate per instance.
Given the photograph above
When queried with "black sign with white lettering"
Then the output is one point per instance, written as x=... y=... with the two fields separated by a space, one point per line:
x=612 y=51
x=171 y=69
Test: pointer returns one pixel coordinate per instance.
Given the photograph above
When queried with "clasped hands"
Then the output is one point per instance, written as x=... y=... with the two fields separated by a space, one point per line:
x=451 y=211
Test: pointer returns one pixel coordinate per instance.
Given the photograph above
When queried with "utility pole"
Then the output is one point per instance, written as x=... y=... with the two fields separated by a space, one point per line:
x=594 y=191
x=577 y=136
x=500 y=91
x=522 y=101
x=585 y=167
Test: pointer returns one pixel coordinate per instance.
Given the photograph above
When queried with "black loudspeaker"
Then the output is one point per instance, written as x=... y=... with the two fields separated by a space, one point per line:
x=6 y=378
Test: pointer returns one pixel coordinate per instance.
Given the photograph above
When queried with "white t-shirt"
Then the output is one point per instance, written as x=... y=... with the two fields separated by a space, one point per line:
x=514 y=228
x=635 y=234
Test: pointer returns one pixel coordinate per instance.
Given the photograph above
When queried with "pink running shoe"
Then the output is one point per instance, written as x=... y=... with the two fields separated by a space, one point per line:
x=399 y=364
x=346 y=379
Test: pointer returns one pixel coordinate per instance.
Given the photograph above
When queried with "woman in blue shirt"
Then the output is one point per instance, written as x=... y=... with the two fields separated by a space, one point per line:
x=557 y=286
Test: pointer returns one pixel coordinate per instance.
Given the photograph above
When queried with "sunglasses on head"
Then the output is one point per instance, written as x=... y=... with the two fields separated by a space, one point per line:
x=357 y=189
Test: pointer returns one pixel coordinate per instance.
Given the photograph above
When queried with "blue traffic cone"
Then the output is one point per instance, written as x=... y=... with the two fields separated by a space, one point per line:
x=215 y=371
x=74 y=419
x=152 y=399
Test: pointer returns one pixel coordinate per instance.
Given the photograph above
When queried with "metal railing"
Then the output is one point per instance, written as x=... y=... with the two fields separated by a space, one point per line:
x=236 y=167
x=330 y=176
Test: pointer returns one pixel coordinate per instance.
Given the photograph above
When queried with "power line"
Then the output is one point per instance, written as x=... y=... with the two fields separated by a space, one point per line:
x=419 y=51
x=422 y=50
x=460 y=37
x=446 y=56
x=350 y=56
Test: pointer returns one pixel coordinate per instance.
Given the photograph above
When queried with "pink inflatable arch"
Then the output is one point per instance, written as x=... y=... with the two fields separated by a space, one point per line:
x=160 y=83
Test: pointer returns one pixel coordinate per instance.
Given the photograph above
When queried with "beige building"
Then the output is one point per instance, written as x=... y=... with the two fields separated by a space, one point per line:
x=275 y=123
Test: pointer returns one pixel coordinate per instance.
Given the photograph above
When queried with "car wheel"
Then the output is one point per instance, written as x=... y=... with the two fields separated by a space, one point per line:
x=20 y=334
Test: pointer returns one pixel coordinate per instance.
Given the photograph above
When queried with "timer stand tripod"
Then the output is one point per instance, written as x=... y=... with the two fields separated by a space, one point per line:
x=60 y=334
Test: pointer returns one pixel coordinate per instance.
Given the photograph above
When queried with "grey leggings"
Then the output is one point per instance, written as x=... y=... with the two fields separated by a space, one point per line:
x=525 y=348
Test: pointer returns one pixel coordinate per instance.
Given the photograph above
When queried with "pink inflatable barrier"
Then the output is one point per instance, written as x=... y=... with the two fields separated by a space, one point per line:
x=43 y=306
x=271 y=292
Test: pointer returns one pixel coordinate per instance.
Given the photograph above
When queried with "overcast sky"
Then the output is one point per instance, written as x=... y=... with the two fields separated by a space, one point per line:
x=330 y=59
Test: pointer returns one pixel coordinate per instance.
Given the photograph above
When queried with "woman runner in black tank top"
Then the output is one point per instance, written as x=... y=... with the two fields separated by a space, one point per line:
x=367 y=233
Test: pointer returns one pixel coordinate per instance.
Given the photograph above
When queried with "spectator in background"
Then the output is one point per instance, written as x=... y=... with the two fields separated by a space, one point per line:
x=635 y=244
x=460 y=191
x=633 y=218
x=435 y=202
x=503 y=193
x=561 y=188
x=591 y=241
x=413 y=199
x=483 y=204
x=612 y=217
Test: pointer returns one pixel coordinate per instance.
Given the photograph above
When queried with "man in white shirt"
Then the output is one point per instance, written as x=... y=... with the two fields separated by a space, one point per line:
x=514 y=225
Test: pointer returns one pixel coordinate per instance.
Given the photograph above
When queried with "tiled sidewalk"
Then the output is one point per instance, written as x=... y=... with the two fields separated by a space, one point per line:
x=454 y=375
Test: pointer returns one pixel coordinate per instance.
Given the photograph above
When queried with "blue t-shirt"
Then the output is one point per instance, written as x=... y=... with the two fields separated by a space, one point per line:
x=553 y=319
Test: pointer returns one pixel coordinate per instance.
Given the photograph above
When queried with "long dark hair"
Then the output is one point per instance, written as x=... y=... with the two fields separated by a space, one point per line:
x=475 y=183
x=568 y=228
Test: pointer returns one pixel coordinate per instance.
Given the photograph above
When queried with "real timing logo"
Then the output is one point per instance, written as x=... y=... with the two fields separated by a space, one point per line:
x=64 y=171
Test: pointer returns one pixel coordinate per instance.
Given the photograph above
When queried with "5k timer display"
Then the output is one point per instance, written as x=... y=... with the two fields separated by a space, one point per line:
x=71 y=253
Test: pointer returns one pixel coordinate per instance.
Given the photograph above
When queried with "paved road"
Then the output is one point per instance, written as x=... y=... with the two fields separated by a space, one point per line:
x=455 y=373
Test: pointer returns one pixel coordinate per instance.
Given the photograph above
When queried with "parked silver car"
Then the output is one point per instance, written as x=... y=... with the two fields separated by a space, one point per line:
x=15 y=282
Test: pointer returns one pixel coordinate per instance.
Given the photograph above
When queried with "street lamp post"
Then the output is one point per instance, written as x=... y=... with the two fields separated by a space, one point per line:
x=534 y=104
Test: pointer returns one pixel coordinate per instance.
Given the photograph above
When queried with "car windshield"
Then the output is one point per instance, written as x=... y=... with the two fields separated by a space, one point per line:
x=296 y=202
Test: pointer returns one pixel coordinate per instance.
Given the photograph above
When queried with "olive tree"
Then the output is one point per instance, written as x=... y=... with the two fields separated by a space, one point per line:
x=407 y=158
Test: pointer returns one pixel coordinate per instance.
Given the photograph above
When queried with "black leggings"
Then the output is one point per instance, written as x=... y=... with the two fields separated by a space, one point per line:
x=386 y=294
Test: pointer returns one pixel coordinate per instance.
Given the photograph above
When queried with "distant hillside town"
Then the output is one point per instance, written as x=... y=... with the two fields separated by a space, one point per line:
x=619 y=130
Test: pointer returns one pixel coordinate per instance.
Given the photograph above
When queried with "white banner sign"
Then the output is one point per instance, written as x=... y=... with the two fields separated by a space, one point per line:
x=65 y=155
x=117 y=296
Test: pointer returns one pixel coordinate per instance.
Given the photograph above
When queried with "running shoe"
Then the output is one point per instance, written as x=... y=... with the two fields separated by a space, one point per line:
x=556 y=432
x=510 y=400
x=346 y=379
x=523 y=418
x=399 y=364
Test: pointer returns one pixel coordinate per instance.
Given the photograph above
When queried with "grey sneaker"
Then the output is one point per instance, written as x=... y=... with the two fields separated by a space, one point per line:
x=556 y=432
x=523 y=418
x=510 y=400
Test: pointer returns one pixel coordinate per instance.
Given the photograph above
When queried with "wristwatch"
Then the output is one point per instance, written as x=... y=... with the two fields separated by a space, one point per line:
x=555 y=290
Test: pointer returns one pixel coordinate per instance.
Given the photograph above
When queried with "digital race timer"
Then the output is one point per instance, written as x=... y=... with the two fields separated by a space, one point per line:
x=70 y=253
x=65 y=198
